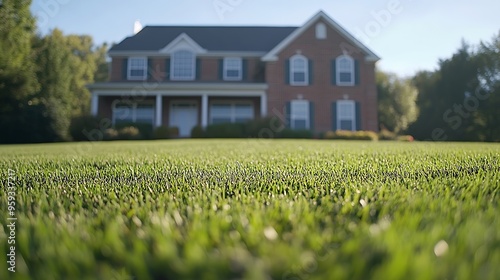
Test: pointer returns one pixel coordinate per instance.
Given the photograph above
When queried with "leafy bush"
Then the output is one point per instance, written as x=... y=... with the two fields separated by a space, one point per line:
x=126 y=133
x=164 y=132
x=197 y=132
x=110 y=134
x=295 y=134
x=225 y=130
x=82 y=124
x=255 y=128
x=145 y=129
x=351 y=135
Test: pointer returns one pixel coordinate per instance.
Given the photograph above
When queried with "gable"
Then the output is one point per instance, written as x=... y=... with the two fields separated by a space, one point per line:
x=321 y=17
x=183 y=42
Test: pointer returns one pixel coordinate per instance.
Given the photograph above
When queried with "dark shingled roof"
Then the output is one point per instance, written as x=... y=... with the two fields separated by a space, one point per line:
x=211 y=38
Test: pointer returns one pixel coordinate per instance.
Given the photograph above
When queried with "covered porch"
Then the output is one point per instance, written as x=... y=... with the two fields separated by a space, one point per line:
x=184 y=108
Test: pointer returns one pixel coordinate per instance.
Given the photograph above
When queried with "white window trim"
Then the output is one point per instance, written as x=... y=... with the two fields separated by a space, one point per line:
x=172 y=67
x=134 y=110
x=307 y=117
x=321 y=31
x=226 y=68
x=353 y=117
x=129 y=69
x=306 y=71
x=337 y=64
x=233 y=110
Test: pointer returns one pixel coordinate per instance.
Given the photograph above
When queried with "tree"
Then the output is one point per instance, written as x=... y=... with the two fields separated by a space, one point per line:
x=397 y=107
x=66 y=65
x=443 y=96
x=17 y=70
x=55 y=71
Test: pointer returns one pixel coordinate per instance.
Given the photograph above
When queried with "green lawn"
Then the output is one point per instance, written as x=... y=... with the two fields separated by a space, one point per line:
x=232 y=209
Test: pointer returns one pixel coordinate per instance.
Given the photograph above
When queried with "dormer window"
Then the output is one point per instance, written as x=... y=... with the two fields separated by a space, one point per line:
x=137 y=68
x=233 y=69
x=183 y=66
x=320 y=31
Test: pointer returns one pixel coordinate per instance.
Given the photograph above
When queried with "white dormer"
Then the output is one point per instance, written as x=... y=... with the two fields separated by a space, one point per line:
x=183 y=42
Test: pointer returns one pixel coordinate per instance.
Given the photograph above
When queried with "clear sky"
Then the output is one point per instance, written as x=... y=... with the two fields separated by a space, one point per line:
x=409 y=35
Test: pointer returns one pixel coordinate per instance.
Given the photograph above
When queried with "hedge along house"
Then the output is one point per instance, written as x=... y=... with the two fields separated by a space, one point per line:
x=315 y=77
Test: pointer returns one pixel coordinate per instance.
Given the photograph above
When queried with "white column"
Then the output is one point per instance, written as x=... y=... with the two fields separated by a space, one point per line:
x=94 y=105
x=204 y=110
x=263 y=105
x=159 y=110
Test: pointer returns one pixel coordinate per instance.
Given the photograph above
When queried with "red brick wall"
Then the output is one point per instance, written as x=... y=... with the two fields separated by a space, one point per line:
x=322 y=92
x=209 y=70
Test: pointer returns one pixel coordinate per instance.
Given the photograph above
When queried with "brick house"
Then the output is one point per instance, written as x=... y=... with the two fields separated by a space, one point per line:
x=316 y=77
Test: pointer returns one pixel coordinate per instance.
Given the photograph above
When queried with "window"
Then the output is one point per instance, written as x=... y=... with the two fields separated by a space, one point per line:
x=346 y=116
x=137 y=68
x=320 y=31
x=233 y=69
x=345 y=71
x=183 y=66
x=299 y=114
x=133 y=113
x=231 y=113
x=299 y=71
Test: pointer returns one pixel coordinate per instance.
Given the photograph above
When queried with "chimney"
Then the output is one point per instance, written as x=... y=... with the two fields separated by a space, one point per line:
x=137 y=27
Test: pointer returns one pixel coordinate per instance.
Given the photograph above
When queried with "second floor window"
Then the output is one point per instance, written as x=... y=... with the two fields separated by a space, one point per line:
x=345 y=71
x=183 y=66
x=137 y=68
x=299 y=71
x=232 y=69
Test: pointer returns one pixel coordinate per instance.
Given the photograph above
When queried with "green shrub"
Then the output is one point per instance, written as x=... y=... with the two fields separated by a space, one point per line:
x=385 y=134
x=125 y=133
x=255 y=128
x=80 y=127
x=351 y=135
x=197 y=132
x=145 y=129
x=164 y=132
x=110 y=134
x=225 y=130
x=295 y=134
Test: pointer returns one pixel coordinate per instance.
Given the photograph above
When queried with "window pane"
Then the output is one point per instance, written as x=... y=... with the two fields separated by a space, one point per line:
x=183 y=65
x=220 y=120
x=346 y=110
x=144 y=114
x=220 y=110
x=233 y=73
x=242 y=120
x=345 y=64
x=299 y=114
x=137 y=72
x=244 y=110
x=300 y=124
x=345 y=77
x=346 y=125
x=299 y=77
x=299 y=64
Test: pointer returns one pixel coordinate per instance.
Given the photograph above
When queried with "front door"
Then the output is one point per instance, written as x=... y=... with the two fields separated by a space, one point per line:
x=184 y=115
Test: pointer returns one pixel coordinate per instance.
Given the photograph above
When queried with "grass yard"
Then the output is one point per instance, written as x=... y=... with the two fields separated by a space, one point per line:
x=242 y=209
